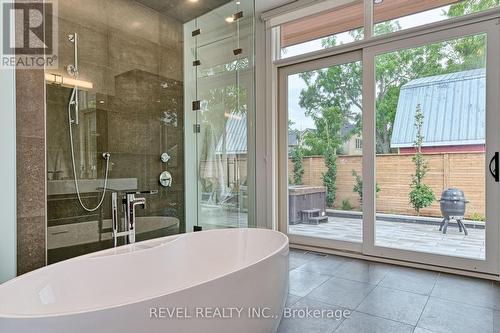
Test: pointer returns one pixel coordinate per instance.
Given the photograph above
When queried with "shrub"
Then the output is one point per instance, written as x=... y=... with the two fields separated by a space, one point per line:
x=358 y=186
x=421 y=196
x=346 y=205
x=477 y=217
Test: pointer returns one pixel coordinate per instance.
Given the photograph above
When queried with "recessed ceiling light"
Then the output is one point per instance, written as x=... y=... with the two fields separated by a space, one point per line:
x=193 y=1
x=229 y=19
x=378 y=2
x=237 y=2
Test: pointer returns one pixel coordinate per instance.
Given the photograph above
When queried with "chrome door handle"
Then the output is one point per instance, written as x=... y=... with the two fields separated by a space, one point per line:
x=494 y=167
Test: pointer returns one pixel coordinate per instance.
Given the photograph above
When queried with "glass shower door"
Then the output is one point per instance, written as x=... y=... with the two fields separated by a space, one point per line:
x=222 y=60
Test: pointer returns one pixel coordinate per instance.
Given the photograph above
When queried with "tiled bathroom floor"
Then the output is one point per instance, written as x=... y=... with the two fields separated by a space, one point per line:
x=385 y=298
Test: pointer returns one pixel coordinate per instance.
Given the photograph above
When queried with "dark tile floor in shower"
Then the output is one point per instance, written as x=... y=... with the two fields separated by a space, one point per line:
x=385 y=298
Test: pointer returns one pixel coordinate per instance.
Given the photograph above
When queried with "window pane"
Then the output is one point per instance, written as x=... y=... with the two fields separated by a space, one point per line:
x=430 y=135
x=394 y=15
x=325 y=153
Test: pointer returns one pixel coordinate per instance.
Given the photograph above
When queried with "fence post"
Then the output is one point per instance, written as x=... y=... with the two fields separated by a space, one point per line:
x=446 y=171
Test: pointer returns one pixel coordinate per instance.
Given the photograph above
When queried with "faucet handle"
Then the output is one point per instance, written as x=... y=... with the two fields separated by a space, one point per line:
x=143 y=192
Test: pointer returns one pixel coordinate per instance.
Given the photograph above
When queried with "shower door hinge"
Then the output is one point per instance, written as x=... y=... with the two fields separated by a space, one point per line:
x=237 y=16
x=196 y=105
x=197 y=228
x=195 y=32
x=196 y=128
x=237 y=51
x=196 y=63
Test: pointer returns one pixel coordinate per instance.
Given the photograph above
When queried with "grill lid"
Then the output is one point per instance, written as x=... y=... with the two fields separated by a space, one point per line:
x=453 y=194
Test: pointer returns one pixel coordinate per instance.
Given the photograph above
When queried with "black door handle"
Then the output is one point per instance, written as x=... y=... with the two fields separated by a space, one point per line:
x=494 y=169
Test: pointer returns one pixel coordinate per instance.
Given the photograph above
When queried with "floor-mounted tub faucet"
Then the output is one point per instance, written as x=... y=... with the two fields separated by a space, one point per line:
x=129 y=203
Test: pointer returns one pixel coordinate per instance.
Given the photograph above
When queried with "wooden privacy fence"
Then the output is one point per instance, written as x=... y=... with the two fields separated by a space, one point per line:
x=465 y=171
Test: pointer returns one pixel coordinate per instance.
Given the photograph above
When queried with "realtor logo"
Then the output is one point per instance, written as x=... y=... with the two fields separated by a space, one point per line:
x=29 y=34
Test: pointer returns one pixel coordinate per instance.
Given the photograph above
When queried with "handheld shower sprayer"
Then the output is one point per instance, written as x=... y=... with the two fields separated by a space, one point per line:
x=73 y=70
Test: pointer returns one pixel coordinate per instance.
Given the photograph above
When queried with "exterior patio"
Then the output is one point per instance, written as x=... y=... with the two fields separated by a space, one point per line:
x=415 y=236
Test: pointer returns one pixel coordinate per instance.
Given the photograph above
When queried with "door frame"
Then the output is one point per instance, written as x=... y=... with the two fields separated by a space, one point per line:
x=282 y=148
x=367 y=55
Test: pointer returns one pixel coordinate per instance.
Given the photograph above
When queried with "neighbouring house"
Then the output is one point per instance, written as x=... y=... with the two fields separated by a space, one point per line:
x=454 y=107
x=353 y=146
x=296 y=138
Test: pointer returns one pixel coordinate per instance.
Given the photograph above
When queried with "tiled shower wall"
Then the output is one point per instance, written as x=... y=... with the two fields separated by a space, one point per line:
x=31 y=175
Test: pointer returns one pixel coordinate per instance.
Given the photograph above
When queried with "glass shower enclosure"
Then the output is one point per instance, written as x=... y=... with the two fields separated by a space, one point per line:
x=125 y=88
x=220 y=108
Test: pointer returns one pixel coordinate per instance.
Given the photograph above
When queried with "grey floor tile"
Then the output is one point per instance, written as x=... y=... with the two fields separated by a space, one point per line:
x=466 y=290
x=422 y=330
x=496 y=295
x=303 y=282
x=442 y=316
x=394 y=304
x=325 y=265
x=496 y=321
x=364 y=323
x=409 y=279
x=298 y=258
x=342 y=292
x=292 y=299
x=326 y=321
x=362 y=271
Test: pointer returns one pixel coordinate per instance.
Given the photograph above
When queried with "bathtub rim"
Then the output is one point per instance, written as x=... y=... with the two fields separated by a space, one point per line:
x=6 y=316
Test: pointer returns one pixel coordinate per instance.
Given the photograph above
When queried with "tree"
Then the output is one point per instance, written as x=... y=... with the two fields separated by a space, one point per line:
x=421 y=195
x=297 y=157
x=330 y=176
x=330 y=138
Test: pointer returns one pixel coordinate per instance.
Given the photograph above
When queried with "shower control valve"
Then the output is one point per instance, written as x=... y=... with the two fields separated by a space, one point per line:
x=165 y=157
x=166 y=179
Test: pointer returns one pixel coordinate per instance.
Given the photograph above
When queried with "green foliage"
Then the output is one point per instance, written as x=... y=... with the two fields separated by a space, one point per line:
x=330 y=176
x=477 y=217
x=471 y=6
x=340 y=86
x=328 y=133
x=297 y=156
x=421 y=195
x=358 y=186
x=346 y=205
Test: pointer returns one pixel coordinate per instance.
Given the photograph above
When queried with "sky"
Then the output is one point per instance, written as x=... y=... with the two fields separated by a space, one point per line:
x=296 y=84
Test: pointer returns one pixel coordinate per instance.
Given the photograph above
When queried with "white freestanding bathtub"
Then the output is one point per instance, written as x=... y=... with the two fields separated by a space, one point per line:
x=232 y=280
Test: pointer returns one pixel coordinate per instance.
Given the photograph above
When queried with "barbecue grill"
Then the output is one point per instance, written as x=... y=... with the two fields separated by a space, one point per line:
x=453 y=205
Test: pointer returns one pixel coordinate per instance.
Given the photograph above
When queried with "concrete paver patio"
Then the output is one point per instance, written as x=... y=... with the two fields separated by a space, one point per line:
x=420 y=237
x=402 y=235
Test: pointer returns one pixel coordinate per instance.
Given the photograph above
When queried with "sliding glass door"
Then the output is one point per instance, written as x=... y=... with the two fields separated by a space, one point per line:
x=321 y=142
x=390 y=151
x=434 y=101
